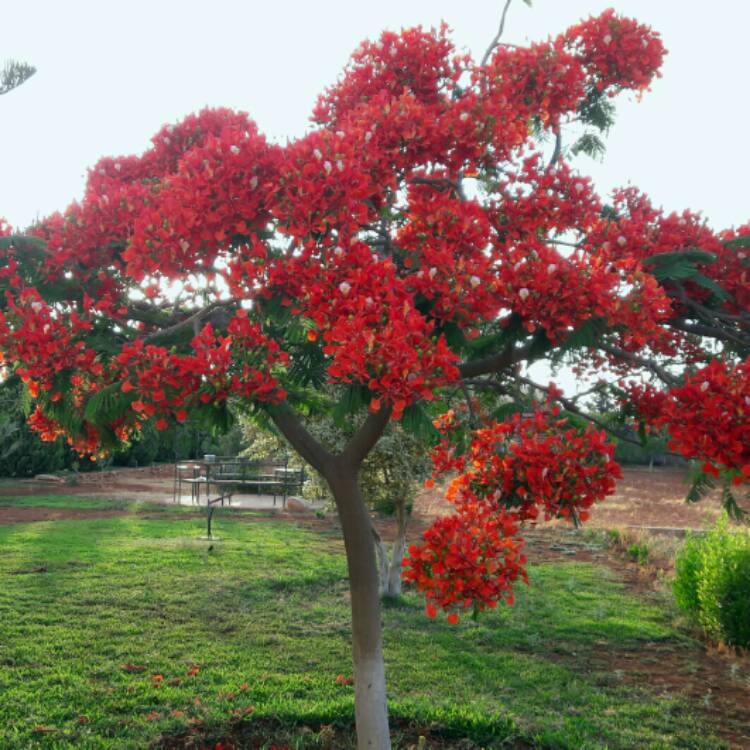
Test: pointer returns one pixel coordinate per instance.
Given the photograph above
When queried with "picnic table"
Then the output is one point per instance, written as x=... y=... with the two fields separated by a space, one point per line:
x=217 y=478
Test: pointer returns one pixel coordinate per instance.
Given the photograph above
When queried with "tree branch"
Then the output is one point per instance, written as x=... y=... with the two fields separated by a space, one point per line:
x=508 y=357
x=186 y=322
x=364 y=439
x=572 y=407
x=499 y=34
x=301 y=440
x=659 y=371
x=557 y=153
x=439 y=183
x=568 y=403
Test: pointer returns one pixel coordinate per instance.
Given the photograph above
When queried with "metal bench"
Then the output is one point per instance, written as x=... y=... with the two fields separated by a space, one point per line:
x=230 y=475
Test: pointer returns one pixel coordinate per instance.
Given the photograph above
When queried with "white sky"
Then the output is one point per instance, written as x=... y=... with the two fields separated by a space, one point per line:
x=111 y=73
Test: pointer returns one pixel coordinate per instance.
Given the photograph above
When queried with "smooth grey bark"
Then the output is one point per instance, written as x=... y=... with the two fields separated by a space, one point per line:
x=370 y=701
x=342 y=475
x=389 y=563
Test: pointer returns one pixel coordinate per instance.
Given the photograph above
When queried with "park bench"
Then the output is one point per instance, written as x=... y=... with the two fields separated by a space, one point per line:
x=223 y=477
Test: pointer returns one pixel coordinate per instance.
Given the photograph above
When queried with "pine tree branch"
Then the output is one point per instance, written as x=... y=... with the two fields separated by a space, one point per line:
x=14 y=74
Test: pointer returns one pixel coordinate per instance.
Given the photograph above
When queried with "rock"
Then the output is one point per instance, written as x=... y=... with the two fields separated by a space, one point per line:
x=298 y=505
x=49 y=478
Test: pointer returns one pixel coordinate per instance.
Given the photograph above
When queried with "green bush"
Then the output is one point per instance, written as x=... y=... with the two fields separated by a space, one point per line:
x=638 y=553
x=24 y=454
x=712 y=582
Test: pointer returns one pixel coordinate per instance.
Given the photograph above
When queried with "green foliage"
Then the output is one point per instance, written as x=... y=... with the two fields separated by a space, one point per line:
x=738 y=242
x=586 y=335
x=700 y=486
x=597 y=110
x=589 y=144
x=683 y=266
x=652 y=451
x=391 y=473
x=712 y=582
x=22 y=452
x=14 y=74
x=143 y=451
x=638 y=553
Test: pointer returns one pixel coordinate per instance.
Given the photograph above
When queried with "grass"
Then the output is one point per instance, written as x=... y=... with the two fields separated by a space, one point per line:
x=92 y=610
x=93 y=503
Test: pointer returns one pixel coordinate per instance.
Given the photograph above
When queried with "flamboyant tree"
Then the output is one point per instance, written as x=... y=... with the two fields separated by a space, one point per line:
x=418 y=245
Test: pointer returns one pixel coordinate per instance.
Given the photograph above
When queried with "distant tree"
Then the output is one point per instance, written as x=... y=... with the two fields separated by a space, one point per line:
x=14 y=74
x=390 y=477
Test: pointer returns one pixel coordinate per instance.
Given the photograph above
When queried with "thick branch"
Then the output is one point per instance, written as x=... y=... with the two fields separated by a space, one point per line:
x=707 y=331
x=186 y=322
x=300 y=439
x=364 y=439
x=495 y=363
x=439 y=183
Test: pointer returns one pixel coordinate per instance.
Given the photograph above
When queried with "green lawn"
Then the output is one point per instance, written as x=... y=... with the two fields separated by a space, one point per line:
x=90 y=610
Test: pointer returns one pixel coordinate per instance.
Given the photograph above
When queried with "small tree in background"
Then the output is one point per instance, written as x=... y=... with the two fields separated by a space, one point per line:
x=13 y=74
x=390 y=477
x=417 y=244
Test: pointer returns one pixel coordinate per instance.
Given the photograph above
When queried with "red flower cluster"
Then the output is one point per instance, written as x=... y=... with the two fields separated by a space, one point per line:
x=446 y=240
x=617 y=52
x=468 y=560
x=218 y=193
x=171 y=384
x=355 y=246
x=708 y=417
x=511 y=472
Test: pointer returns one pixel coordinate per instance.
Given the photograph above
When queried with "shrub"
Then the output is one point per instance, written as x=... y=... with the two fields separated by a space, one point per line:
x=638 y=553
x=23 y=454
x=712 y=582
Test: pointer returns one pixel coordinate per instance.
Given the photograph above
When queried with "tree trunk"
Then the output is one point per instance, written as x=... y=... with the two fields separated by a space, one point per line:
x=370 y=707
x=389 y=565
x=393 y=584
x=381 y=548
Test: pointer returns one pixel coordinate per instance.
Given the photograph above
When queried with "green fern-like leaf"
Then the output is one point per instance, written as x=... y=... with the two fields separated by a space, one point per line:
x=589 y=144
x=416 y=421
x=731 y=506
x=507 y=410
x=107 y=405
x=354 y=398
x=701 y=485
x=738 y=242
x=586 y=335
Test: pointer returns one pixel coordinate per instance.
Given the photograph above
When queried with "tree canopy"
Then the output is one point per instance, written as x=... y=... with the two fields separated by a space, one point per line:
x=418 y=247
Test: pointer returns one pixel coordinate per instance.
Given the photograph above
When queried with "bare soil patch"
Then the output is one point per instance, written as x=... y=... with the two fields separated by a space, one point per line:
x=644 y=498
